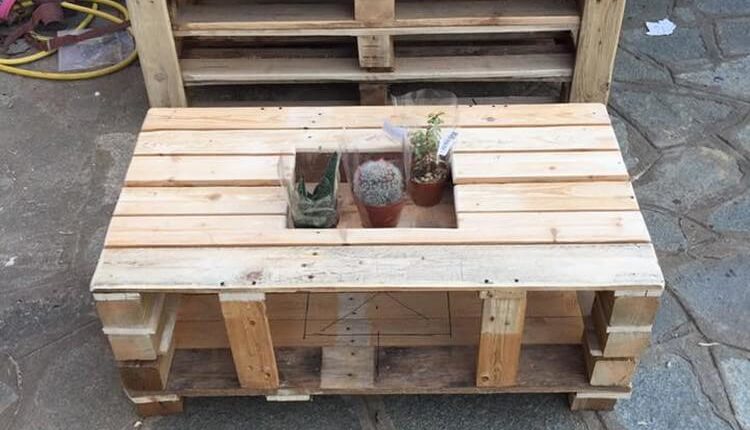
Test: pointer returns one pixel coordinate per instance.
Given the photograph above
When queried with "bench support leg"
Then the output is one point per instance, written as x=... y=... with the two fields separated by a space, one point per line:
x=250 y=339
x=500 y=342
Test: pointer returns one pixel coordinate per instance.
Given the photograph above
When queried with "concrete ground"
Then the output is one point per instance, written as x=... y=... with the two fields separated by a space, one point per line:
x=681 y=105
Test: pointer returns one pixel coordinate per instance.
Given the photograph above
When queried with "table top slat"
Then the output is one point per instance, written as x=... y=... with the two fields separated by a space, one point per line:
x=545 y=196
x=200 y=201
x=353 y=117
x=268 y=142
x=479 y=228
x=196 y=171
x=538 y=167
x=352 y=268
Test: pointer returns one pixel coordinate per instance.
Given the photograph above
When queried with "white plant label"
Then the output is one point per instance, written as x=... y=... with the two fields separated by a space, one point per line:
x=447 y=142
x=396 y=133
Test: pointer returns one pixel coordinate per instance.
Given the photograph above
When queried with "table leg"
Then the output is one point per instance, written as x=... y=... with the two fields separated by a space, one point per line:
x=500 y=342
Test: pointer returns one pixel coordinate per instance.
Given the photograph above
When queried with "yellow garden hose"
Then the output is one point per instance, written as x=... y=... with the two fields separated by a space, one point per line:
x=8 y=65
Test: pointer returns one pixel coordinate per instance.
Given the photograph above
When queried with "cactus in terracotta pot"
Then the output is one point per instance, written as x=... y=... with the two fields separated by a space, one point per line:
x=379 y=188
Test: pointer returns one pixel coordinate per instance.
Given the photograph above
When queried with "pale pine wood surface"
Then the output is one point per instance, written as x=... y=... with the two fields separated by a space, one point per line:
x=542 y=202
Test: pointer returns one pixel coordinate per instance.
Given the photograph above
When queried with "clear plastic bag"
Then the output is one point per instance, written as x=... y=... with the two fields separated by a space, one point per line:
x=310 y=183
x=427 y=142
x=93 y=53
x=376 y=181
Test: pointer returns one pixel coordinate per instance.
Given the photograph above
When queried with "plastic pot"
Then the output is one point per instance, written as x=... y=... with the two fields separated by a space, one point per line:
x=427 y=193
x=384 y=216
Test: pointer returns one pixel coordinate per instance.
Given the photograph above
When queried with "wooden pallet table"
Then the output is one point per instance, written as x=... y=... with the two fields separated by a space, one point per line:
x=535 y=274
x=224 y=42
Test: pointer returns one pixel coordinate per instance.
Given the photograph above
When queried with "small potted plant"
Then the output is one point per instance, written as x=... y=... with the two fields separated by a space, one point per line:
x=429 y=173
x=317 y=209
x=379 y=188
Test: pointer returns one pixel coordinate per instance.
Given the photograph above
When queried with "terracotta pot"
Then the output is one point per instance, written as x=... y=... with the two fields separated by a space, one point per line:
x=427 y=193
x=384 y=216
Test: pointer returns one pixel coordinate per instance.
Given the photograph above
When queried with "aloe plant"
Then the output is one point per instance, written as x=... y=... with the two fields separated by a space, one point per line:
x=317 y=209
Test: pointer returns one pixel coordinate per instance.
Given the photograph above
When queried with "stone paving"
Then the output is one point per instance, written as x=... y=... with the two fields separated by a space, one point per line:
x=681 y=107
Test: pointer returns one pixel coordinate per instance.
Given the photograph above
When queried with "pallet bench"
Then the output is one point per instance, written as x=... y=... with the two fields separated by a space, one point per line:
x=534 y=274
x=375 y=43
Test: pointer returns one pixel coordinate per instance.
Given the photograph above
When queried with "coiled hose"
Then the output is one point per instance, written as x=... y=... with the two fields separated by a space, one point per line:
x=8 y=65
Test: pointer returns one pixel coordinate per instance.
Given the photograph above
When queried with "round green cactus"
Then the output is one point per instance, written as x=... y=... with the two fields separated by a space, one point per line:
x=378 y=183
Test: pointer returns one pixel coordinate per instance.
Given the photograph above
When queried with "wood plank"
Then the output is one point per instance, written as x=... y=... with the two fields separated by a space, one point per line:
x=412 y=17
x=538 y=167
x=630 y=342
x=627 y=311
x=227 y=71
x=270 y=142
x=439 y=370
x=374 y=12
x=200 y=201
x=198 y=171
x=158 y=405
x=376 y=52
x=605 y=371
x=557 y=227
x=500 y=342
x=150 y=375
x=288 y=306
x=474 y=228
x=250 y=341
x=151 y=27
x=145 y=342
x=125 y=310
x=347 y=367
x=464 y=331
x=589 y=403
x=354 y=117
x=597 y=47
x=540 y=197
x=623 y=267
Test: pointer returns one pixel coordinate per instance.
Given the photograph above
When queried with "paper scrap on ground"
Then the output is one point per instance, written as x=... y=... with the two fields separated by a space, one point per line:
x=664 y=27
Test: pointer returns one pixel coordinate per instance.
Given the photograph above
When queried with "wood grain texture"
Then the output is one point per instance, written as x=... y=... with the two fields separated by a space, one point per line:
x=145 y=201
x=547 y=196
x=473 y=228
x=354 y=117
x=187 y=171
x=372 y=139
x=414 y=17
x=346 y=367
x=627 y=311
x=500 y=342
x=375 y=268
x=152 y=29
x=597 y=46
x=376 y=53
x=250 y=341
x=439 y=370
x=374 y=12
x=605 y=371
x=538 y=167
x=627 y=342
